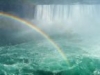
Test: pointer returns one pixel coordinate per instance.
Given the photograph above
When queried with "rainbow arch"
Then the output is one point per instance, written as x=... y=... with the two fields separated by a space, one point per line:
x=39 y=31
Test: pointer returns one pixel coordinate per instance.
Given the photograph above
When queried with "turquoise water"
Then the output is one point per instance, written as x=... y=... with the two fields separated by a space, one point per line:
x=41 y=58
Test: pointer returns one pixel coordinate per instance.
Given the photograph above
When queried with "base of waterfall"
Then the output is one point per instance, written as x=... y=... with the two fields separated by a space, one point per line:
x=40 y=58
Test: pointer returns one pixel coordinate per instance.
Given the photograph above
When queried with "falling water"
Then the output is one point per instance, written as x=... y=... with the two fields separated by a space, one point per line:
x=65 y=12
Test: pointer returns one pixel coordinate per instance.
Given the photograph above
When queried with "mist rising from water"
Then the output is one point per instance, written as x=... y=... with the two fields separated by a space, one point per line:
x=82 y=20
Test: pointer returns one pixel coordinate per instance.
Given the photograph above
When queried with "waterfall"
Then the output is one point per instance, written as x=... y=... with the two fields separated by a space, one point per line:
x=53 y=13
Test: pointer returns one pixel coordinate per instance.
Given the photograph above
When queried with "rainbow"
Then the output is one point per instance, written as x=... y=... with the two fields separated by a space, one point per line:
x=39 y=31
